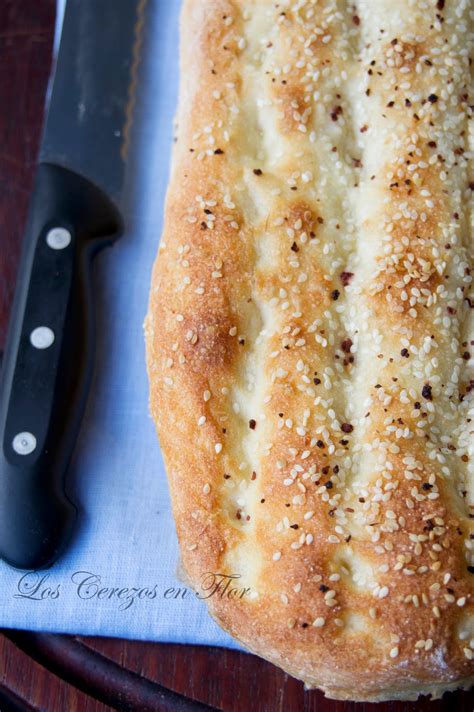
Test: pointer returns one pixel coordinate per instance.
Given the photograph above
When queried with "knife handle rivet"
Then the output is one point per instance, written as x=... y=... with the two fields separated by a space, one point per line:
x=24 y=443
x=58 y=238
x=42 y=337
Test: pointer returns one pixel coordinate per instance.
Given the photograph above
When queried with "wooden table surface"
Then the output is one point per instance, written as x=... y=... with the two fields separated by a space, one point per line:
x=62 y=673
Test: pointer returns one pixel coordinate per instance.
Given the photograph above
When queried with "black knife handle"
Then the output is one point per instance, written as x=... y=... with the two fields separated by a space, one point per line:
x=47 y=364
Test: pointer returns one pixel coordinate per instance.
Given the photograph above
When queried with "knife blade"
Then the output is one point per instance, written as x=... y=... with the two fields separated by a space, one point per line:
x=75 y=210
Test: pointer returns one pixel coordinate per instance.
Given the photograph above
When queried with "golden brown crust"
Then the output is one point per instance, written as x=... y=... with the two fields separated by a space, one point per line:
x=309 y=336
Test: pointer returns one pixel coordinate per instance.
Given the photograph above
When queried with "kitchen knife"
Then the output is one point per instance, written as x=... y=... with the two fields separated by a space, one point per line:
x=74 y=211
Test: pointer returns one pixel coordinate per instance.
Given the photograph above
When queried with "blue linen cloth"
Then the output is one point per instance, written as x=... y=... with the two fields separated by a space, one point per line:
x=125 y=535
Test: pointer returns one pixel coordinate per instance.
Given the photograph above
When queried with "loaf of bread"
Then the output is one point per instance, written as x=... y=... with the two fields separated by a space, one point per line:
x=310 y=337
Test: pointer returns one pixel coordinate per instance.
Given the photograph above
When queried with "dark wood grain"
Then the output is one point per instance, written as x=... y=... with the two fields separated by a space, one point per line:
x=26 y=29
x=35 y=688
x=52 y=673
x=108 y=681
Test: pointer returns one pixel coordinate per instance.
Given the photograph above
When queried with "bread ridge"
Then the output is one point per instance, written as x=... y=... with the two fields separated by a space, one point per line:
x=287 y=272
